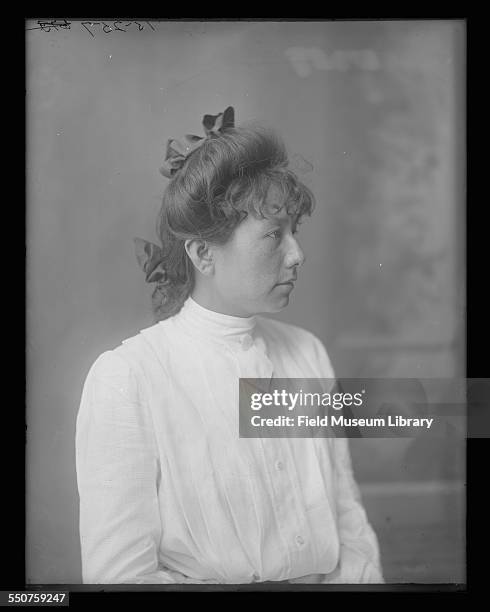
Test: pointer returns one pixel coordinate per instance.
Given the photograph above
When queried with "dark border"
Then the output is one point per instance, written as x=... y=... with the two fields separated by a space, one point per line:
x=12 y=574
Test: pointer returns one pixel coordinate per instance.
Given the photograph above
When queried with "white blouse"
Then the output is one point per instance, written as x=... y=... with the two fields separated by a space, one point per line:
x=169 y=492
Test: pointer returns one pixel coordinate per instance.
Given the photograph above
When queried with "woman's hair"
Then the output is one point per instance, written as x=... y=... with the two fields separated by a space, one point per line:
x=221 y=182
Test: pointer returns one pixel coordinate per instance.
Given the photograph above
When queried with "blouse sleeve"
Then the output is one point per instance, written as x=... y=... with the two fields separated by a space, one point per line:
x=359 y=551
x=117 y=474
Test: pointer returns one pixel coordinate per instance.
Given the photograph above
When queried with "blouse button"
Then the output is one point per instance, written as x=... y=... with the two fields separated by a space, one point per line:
x=247 y=342
x=279 y=465
x=299 y=540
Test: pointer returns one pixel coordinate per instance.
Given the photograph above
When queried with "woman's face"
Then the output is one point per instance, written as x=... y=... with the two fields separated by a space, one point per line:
x=255 y=270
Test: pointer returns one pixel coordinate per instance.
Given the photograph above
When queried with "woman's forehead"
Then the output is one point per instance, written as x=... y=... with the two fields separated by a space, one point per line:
x=275 y=199
x=275 y=203
x=273 y=217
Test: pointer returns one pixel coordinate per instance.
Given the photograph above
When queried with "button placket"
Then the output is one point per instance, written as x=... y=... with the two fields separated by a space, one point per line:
x=287 y=506
x=252 y=362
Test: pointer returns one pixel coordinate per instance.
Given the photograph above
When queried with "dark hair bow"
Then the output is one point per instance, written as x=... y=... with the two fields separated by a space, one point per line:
x=150 y=258
x=178 y=151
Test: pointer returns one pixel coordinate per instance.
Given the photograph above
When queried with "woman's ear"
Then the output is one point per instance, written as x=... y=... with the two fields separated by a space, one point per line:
x=201 y=255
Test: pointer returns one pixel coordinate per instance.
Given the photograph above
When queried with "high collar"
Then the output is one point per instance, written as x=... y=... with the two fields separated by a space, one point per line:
x=204 y=322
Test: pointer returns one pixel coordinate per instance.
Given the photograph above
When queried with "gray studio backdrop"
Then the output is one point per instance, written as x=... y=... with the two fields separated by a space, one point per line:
x=373 y=115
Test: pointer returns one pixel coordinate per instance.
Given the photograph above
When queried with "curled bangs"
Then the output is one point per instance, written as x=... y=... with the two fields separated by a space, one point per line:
x=252 y=194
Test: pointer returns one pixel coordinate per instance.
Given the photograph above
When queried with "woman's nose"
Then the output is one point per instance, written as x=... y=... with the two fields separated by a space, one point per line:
x=295 y=256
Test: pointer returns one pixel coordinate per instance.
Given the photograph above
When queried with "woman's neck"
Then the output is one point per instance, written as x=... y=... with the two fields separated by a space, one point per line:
x=211 y=300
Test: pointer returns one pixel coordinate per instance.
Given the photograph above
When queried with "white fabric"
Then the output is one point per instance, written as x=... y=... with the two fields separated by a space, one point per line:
x=169 y=493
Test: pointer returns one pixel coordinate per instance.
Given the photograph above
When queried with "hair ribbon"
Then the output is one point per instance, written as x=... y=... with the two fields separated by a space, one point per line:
x=150 y=259
x=179 y=150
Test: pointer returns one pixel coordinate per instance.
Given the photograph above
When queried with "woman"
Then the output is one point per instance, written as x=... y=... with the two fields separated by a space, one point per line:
x=169 y=492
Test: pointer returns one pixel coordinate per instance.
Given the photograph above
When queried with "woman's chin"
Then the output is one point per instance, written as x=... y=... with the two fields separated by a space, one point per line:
x=280 y=303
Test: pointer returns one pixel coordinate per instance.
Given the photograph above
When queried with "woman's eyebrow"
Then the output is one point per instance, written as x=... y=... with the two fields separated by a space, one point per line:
x=283 y=220
x=273 y=221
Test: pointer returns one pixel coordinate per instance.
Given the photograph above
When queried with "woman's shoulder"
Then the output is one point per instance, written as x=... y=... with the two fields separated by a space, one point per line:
x=133 y=354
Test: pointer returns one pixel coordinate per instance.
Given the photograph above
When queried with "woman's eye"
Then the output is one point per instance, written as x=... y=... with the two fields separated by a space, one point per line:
x=275 y=234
